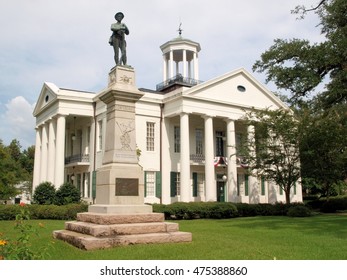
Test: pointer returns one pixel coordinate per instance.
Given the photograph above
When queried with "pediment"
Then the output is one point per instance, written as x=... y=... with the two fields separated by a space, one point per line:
x=47 y=96
x=239 y=88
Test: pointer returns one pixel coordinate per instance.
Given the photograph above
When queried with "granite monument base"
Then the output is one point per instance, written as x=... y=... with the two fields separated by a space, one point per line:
x=100 y=231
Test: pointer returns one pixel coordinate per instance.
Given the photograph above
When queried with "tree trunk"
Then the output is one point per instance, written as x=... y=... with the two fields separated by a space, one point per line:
x=287 y=192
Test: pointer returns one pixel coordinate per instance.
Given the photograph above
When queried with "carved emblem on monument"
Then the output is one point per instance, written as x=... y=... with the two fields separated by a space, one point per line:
x=125 y=136
x=125 y=79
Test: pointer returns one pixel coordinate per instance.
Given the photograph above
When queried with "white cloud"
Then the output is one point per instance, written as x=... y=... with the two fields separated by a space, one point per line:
x=17 y=122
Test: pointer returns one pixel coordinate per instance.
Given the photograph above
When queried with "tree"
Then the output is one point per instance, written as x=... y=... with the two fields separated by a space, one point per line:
x=272 y=149
x=44 y=193
x=323 y=148
x=67 y=193
x=299 y=66
x=9 y=174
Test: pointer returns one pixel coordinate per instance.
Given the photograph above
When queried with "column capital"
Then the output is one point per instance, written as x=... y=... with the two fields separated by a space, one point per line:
x=227 y=120
x=206 y=116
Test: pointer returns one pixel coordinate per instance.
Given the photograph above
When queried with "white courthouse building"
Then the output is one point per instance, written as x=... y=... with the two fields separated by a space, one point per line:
x=186 y=134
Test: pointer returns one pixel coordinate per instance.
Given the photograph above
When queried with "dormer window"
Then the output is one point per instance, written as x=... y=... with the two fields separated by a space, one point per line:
x=46 y=98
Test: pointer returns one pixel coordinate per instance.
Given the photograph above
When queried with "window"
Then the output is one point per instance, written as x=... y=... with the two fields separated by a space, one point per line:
x=198 y=141
x=220 y=143
x=150 y=136
x=242 y=184
x=178 y=184
x=241 y=88
x=100 y=135
x=177 y=139
x=175 y=185
x=150 y=183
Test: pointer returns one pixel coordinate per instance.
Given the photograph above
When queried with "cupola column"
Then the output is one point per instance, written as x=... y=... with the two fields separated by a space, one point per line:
x=196 y=66
x=184 y=66
x=165 y=68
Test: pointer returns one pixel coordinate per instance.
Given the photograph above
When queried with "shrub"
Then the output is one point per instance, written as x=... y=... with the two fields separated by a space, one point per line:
x=52 y=212
x=44 y=193
x=9 y=212
x=299 y=211
x=334 y=204
x=67 y=193
x=197 y=210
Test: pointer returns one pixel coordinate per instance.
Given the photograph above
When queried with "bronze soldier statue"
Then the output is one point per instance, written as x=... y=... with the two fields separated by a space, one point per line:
x=117 y=40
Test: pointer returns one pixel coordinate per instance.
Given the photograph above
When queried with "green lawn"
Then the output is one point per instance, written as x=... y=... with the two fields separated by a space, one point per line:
x=322 y=237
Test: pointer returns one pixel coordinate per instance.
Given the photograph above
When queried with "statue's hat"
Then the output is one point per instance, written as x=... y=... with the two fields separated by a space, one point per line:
x=119 y=14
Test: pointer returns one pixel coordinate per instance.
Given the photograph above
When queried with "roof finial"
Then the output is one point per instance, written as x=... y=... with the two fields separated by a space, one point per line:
x=180 y=29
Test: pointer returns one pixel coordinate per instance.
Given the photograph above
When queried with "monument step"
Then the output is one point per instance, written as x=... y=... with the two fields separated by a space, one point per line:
x=88 y=242
x=98 y=230
x=109 y=219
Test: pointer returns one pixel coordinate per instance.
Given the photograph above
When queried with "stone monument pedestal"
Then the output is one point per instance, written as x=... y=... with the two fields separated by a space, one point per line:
x=120 y=216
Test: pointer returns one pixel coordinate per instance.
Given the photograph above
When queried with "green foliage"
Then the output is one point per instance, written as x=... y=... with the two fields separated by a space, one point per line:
x=299 y=66
x=20 y=248
x=197 y=210
x=224 y=210
x=272 y=149
x=44 y=193
x=335 y=204
x=323 y=149
x=299 y=211
x=52 y=212
x=66 y=194
x=15 y=167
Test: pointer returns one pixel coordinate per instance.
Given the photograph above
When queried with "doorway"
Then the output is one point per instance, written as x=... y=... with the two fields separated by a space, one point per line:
x=220 y=190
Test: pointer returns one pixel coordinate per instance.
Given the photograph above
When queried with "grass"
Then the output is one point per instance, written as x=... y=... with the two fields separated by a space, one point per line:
x=322 y=237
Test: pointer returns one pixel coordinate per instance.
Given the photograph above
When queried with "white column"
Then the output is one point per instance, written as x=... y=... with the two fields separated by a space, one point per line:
x=60 y=151
x=185 y=158
x=210 y=184
x=37 y=160
x=196 y=66
x=232 y=167
x=51 y=152
x=190 y=69
x=166 y=162
x=44 y=154
x=177 y=68
x=184 y=63
x=171 y=64
x=164 y=68
x=253 y=189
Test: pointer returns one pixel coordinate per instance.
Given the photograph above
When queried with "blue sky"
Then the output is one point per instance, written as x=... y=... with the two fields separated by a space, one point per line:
x=66 y=42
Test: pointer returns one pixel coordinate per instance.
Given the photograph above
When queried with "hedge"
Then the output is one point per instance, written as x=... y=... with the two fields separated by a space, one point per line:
x=225 y=210
x=52 y=212
x=331 y=205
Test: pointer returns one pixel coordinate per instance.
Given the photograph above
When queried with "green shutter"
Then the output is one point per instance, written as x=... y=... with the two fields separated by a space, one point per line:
x=158 y=184
x=246 y=185
x=145 y=183
x=262 y=186
x=195 y=184
x=238 y=184
x=281 y=190
x=173 y=179
x=94 y=184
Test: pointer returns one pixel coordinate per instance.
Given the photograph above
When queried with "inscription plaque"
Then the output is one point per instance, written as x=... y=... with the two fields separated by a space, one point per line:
x=127 y=187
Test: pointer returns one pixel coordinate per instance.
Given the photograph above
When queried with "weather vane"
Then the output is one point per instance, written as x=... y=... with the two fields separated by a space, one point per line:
x=180 y=29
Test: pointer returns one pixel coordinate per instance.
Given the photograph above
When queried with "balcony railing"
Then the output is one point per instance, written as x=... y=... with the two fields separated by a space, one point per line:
x=197 y=158
x=178 y=79
x=77 y=158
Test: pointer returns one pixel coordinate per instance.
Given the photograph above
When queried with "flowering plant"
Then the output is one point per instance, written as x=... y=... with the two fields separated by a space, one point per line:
x=20 y=249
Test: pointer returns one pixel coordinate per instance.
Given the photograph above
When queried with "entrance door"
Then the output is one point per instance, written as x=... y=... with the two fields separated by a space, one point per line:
x=220 y=191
